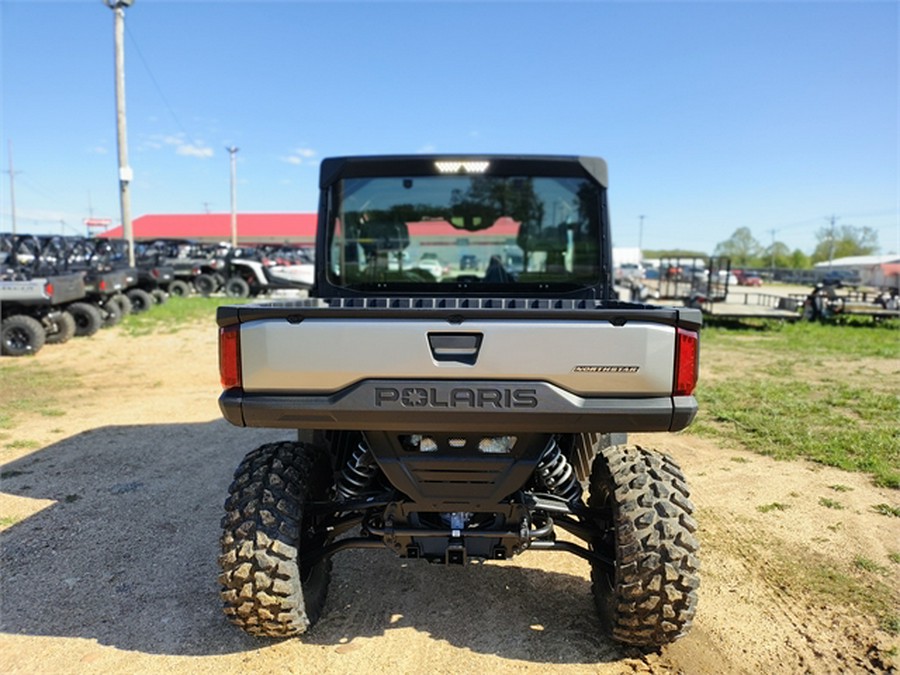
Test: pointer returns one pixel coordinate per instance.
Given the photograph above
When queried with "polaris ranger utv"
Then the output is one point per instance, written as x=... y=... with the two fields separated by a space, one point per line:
x=451 y=414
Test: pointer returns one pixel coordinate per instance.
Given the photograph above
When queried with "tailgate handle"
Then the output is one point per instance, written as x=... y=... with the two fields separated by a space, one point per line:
x=455 y=347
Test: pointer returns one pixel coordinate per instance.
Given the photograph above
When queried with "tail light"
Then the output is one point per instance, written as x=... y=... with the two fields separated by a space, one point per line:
x=48 y=289
x=230 y=356
x=102 y=285
x=687 y=361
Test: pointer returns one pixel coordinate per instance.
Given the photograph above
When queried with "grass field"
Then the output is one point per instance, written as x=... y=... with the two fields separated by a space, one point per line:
x=828 y=393
x=174 y=314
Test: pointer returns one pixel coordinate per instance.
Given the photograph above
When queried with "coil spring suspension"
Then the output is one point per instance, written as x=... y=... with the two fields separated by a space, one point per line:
x=357 y=474
x=557 y=475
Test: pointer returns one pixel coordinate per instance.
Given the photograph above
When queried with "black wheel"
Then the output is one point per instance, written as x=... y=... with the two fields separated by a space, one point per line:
x=111 y=312
x=205 y=284
x=236 y=287
x=141 y=300
x=641 y=500
x=159 y=296
x=87 y=318
x=179 y=288
x=265 y=589
x=21 y=335
x=810 y=312
x=124 y=303
x=64 y=324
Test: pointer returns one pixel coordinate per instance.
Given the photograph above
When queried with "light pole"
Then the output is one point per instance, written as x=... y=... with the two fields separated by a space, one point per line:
x=233 y=152
x=125 y=172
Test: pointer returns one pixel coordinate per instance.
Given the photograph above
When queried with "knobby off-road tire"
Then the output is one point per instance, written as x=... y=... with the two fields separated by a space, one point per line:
x=21 y=335
x=141 y=300
x=650 y=598
x=205 y=284
x=179 y=288
x=111 y=312
x=236 y=287
x=265 y=590
x=88 y=319
x=65 y=329
x=124 y=304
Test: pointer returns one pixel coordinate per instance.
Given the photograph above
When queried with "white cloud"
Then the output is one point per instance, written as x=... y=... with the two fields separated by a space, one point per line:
x=427 y=149
x=182 y=147
x=191 y=150
x=300 y=156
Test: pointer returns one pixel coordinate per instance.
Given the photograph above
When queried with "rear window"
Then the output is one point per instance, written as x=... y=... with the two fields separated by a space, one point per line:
x=480 y=232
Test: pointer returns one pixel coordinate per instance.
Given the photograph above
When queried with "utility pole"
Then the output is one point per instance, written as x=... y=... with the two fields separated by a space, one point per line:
x=772 y=266
x=125 y=172
x=641 y=235
x=832 y=220
x=12 y=187
x=232 y=150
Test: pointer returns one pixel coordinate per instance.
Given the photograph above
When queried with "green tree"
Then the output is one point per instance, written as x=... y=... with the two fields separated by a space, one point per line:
x=673 y=253
x=799 y=260
x=777 y=255
x=741 y=248
x=844 y=241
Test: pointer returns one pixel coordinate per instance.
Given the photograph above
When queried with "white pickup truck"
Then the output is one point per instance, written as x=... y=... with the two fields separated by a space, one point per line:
x=464 y=415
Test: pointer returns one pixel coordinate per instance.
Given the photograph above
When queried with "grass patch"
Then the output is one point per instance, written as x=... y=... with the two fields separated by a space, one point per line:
x=841 y=488
x=23 y=444
x=894 y=557
x=31 y=387
x=868 y=565
x=175 y=314
x=887 y=510
x=891 y=624
x=8 y=521
x=831 y=585
x=831 y=504
x=774 y=506
x=826 y=393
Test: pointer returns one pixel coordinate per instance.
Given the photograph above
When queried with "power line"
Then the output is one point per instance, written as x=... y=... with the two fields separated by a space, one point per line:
x=158 y=88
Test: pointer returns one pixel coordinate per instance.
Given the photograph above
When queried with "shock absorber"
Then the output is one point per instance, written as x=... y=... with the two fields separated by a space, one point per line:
x=357 y=473
x=557 y=475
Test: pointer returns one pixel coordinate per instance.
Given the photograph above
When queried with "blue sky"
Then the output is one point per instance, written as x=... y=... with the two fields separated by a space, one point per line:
x=712 y=115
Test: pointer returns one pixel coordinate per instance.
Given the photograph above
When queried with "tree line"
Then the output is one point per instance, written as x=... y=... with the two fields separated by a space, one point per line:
x=745 y=250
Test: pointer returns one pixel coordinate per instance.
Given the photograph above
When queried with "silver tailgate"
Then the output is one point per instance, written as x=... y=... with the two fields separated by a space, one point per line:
x=583 y=357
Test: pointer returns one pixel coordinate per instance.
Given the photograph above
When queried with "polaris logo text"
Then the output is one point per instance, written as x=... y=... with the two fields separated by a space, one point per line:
x=606 y=369
x=458 y=397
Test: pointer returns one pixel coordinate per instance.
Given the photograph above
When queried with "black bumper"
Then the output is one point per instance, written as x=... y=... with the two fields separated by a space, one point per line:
x=457 y=406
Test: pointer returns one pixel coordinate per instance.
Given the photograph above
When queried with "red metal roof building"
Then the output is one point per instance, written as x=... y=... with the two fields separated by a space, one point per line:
x=281 y=228
x=252 y=228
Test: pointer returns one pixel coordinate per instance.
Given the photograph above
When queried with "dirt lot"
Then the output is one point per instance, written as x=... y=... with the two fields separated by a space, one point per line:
x=111 y=512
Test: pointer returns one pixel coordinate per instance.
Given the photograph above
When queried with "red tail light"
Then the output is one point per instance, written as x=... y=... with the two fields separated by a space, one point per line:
x=687 y=361
x=48 y=289
x=230 y=356
x=102 y=284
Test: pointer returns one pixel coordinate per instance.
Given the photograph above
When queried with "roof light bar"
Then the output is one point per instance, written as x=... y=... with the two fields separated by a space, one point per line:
x=461 y=167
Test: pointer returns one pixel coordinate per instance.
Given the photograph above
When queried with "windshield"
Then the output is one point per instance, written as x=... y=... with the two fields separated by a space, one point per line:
x=408 y=232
